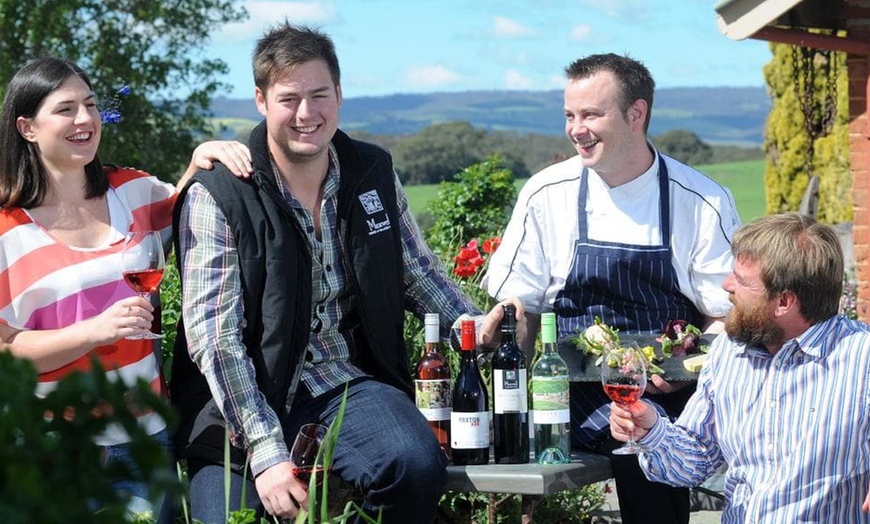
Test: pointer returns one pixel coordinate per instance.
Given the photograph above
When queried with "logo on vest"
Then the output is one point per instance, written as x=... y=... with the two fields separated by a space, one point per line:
x=377 y=227
x=371 y=202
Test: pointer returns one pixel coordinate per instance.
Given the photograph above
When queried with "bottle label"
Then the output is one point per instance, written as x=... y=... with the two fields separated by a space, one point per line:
x=510 y=394
x=550 y=404
x=434 y=398
x=469 y=430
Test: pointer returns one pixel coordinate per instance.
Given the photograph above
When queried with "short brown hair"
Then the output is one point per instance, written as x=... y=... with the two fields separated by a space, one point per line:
x=796 y=254
x=633 y=78
x=286 y=46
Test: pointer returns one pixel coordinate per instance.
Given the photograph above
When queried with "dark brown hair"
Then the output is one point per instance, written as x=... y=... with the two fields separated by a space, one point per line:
x=23 y=180
x=633 y=78
x=285 y=47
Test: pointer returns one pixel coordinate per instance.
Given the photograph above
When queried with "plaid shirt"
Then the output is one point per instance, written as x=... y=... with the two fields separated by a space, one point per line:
x=214 y=313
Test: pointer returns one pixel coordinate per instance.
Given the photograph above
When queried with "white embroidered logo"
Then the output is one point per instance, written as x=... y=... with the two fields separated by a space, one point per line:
x=377 y=227
x=371 y=202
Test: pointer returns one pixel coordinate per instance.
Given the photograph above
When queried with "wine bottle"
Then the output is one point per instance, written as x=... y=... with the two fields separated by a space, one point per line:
x=550 y=406
x=433 y=388
x=469 y=421
x=510 y=399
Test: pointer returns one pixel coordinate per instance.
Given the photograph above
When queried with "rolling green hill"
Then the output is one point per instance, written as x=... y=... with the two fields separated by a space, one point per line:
x=744 y=179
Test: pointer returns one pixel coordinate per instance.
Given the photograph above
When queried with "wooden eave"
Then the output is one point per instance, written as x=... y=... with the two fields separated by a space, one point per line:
x=793 y=22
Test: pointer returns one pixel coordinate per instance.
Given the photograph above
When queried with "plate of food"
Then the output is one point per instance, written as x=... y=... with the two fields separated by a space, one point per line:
x=677 y=354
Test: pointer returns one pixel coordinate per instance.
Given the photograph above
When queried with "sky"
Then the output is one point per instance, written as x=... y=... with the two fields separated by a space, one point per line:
x=423 y=46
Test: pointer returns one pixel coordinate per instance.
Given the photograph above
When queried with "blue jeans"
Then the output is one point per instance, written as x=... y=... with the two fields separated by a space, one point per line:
x=385 y=448
x=140 y=500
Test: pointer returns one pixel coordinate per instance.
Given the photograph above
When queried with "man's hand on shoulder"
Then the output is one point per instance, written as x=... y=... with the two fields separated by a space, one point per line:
x=280 y=491
x=234 y=155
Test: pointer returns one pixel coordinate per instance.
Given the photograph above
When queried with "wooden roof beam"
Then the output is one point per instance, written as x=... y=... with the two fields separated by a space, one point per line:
x=803 y=38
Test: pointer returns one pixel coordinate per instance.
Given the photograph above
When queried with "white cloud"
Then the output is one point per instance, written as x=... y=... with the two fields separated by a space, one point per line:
x=431 y=77
x=506 y=28
x=262 y=15
x=516 y=80
x=580 y=32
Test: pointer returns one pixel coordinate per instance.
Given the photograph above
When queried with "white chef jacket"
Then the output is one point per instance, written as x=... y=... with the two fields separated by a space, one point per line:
x=537 y=248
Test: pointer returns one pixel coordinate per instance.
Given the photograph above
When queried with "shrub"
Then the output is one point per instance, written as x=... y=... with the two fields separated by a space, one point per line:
x=476 y=205
x=52 y=470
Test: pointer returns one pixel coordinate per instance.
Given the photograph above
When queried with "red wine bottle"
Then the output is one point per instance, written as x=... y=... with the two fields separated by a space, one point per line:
x=510 y=397
x=469 y=421
x=433 y=388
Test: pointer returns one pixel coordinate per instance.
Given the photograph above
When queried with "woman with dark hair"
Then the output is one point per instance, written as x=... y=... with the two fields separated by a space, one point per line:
x=63 y=223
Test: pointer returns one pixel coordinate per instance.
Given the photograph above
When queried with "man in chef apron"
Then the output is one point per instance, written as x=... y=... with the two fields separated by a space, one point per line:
x=620 y=232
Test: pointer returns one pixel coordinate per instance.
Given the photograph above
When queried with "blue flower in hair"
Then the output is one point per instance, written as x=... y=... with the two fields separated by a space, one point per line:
x=110 y=109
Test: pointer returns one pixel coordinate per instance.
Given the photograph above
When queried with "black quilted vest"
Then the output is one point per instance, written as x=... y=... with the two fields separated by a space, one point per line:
x=275 y=271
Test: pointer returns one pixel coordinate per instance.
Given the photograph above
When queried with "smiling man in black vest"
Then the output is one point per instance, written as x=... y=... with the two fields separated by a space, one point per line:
x=295 y=283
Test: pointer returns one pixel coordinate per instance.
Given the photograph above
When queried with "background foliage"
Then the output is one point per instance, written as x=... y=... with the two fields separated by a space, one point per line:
x=52 y=470
x=786 y=142
x=154 y=47
x=476 y=204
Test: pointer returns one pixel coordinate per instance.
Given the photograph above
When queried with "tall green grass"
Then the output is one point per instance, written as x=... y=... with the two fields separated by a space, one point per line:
x=744 y=179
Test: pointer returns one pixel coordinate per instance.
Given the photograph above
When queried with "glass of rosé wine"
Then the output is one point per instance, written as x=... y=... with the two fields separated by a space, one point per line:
x=623 y=375
x=143 y=263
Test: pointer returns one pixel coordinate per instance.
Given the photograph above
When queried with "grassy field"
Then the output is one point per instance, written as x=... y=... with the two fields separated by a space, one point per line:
x=744 y=179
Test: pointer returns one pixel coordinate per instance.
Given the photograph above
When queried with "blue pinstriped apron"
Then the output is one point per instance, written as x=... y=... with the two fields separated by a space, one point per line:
x=630 y=287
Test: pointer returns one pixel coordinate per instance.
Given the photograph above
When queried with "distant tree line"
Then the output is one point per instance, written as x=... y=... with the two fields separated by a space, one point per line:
x=440 y=151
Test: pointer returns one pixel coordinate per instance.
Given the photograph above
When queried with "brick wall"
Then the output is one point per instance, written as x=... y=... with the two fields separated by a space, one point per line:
x=859 y=147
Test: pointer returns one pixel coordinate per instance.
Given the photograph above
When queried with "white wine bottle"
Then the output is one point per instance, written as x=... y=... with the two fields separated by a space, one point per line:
x=550 y=402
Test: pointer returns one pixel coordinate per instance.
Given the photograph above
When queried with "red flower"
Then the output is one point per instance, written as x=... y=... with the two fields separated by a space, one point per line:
x=491 y=244
x=468 y=260
x=463 y=270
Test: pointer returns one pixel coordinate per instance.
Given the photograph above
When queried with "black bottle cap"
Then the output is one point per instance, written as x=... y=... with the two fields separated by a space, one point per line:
x=509 y=316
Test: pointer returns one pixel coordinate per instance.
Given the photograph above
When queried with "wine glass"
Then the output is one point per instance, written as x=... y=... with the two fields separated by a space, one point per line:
x=303 y=454
x=623 y=375
x=143 y=262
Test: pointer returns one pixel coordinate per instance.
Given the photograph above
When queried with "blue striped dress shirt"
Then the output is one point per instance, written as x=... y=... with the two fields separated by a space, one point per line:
x=793 y=428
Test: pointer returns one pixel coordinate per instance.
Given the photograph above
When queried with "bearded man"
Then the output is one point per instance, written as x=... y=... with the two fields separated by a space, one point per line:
x=783 y=397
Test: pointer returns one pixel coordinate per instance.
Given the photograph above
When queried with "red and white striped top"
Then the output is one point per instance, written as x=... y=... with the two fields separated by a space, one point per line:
x=46 y=284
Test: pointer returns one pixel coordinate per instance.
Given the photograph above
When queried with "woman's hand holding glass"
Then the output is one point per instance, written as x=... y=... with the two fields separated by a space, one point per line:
x=143 y=263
